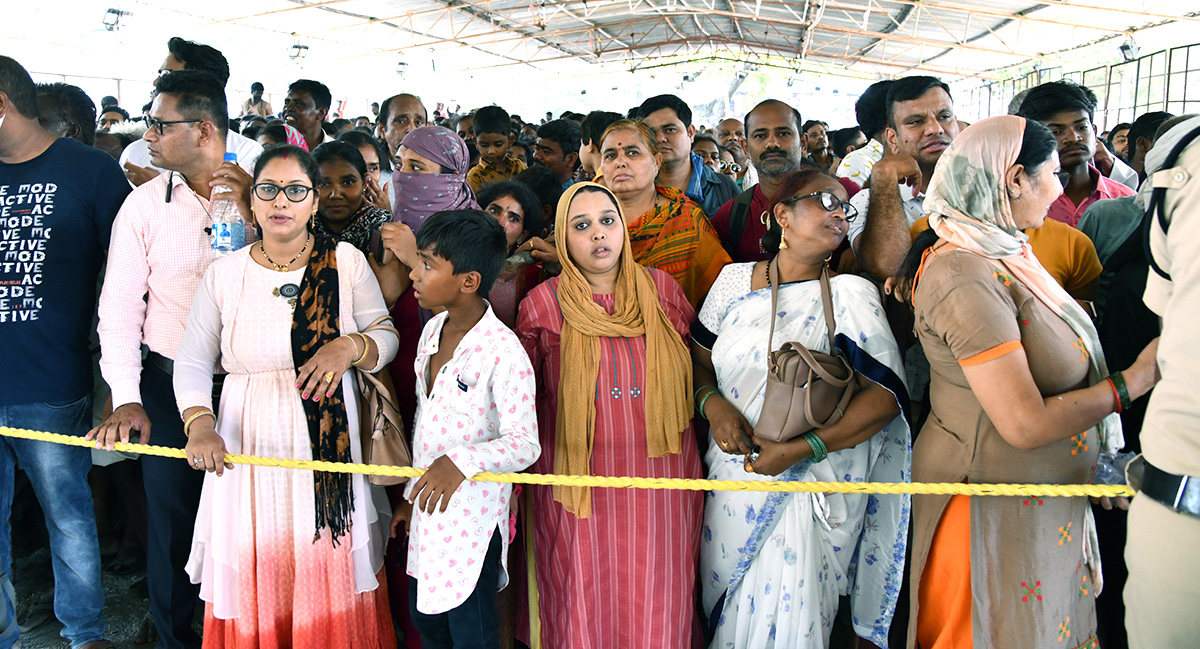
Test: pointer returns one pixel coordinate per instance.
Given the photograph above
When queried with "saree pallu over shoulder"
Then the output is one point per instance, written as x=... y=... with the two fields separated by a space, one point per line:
x=678 y=238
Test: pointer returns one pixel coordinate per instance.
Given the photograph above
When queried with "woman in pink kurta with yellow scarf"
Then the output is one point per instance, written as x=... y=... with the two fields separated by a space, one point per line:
x=615 y=567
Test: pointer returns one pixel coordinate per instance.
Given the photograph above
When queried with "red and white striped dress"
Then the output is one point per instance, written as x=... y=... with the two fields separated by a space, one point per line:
x=626 y=576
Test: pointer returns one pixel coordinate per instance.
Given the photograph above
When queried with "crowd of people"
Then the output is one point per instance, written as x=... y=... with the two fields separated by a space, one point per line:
x=599 y=294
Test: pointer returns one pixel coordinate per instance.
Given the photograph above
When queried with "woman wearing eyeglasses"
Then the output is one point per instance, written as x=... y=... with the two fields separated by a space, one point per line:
x=773 y=565
x=285 y=557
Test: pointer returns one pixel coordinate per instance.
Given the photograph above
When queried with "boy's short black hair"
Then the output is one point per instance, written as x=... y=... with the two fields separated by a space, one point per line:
x=655 y=104
x=471 y=240
x=18 y=85
x=594 y=125
x=704 y=138
x=199 y=94
x=908 y=89
x=317 y=90
x=491 y=119
x=1049 y=99
x=257 y=85
x=871 y=108
x=196 y=56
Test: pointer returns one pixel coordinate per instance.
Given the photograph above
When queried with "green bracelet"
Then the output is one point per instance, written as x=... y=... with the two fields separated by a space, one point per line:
x=696 y=394
x=1118 y=381
x=700 y=408
x=818 y=447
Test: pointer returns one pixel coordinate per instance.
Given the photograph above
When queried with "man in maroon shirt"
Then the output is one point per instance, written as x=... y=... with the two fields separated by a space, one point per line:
x=775 y=145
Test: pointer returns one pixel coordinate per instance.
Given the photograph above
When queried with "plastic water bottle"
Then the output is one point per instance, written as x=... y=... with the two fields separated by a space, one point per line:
x=1110 y=469
x=228 y=228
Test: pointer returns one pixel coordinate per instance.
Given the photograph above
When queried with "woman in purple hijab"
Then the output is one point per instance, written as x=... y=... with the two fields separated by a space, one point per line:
x=432 y=176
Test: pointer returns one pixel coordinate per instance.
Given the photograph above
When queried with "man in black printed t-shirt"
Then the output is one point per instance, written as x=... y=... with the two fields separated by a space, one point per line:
x=58 y=199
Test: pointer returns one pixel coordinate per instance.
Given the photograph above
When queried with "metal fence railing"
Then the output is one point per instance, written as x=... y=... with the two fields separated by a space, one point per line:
x=1165 y=80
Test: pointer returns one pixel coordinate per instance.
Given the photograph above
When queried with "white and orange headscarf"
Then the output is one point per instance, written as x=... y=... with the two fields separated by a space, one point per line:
x=968 y=205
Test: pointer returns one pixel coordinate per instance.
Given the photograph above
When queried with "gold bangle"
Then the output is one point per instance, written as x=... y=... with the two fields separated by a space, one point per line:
x=188 y=424
x=366 y=346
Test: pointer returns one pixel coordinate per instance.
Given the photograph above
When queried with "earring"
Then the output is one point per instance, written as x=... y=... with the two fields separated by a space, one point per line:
x=782 y=240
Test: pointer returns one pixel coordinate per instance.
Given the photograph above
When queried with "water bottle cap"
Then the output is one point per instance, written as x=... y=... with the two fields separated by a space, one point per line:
x=230 y=157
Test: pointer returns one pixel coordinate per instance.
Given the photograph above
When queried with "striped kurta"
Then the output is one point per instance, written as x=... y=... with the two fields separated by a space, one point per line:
x=626 y=576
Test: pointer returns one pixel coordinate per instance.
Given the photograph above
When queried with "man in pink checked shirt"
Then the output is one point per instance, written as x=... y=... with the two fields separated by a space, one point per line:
x=158 y=254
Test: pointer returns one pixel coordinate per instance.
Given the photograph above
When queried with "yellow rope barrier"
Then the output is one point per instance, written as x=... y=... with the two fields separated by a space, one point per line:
x=1038 y=490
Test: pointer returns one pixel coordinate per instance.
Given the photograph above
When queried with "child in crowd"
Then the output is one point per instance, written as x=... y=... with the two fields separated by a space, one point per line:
x=493 y=136
x=475 y=412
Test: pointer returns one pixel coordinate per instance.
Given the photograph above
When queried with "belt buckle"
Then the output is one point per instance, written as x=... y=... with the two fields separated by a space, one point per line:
x=1179 y=494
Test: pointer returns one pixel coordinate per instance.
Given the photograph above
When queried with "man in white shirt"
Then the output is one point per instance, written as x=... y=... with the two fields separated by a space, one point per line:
x=871 y=112
x=186 y=55
x=921 y=125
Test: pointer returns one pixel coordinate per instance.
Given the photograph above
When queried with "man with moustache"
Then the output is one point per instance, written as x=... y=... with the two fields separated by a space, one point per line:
x=186 y=55
x=305 y=108
x=920 y=126
x=671 y=121
x=158 y=255
x=731 y=134
x=400 y=114
x=1067 y=110
x=776 y=148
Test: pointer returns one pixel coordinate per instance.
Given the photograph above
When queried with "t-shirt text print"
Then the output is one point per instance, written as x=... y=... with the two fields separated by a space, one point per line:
x=26 y=232
x=56 y=214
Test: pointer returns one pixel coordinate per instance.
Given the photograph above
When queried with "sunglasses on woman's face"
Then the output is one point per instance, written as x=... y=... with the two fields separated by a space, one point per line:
x=294 y=193
x=724 y=166
x=830 y=202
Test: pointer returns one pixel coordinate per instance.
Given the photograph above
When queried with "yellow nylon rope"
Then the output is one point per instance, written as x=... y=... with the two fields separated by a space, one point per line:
x=1044 y=490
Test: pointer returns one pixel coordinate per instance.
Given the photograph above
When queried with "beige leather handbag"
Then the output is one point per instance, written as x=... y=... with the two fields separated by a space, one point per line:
x=383 y=440
x=806 y=389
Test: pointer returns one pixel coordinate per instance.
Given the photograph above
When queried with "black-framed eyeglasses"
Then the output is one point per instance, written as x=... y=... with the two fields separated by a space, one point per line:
x=158 y=124
x=294 y=193
x=830 y=202
x=1064 y=177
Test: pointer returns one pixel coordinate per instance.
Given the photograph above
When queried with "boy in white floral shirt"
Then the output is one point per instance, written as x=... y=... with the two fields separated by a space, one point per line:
x=475 y=412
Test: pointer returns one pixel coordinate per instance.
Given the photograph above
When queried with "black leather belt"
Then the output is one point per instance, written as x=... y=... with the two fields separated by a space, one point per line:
x=168 y=366
x=161 y=362
x=1179 y=492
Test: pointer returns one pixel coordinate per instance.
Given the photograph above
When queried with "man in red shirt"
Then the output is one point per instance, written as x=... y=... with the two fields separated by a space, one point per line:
x=1067 y=109
x=775 y=145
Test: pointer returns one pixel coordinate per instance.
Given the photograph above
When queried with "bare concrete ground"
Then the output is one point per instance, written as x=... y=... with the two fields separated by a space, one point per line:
x=125 y=604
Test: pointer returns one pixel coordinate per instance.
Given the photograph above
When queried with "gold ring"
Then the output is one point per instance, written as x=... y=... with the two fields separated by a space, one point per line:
x=329 y=376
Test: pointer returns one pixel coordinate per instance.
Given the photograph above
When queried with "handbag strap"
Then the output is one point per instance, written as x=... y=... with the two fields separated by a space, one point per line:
x=826 y=305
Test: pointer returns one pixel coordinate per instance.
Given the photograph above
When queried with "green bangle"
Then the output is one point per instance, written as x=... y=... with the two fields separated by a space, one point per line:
x=818 y=447
x=1118 y=381
x=696 y=394
x=700 y=408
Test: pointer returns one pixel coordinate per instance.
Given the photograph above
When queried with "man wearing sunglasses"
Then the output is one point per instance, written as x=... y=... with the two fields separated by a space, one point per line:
x=159 y=252
x=186 y=55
